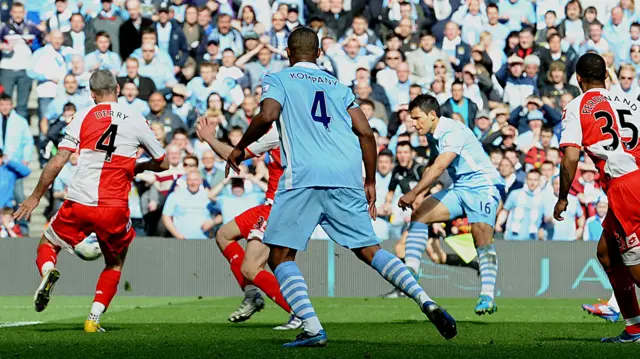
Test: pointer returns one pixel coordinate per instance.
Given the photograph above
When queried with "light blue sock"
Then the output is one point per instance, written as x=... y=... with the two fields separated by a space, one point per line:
x=295 y=292
x=488 y=269
x=416 y=244
x=396 y=273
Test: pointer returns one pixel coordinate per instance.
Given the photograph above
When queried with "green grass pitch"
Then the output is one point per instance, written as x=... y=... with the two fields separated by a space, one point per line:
x=159 y=327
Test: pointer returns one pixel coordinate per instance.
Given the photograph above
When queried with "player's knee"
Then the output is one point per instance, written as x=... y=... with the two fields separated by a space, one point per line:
x=249 y=269
x=222 y=239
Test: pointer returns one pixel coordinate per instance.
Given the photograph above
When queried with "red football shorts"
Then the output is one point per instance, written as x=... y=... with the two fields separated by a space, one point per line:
x=623 y=218
x=75 y=221
x=253 y=221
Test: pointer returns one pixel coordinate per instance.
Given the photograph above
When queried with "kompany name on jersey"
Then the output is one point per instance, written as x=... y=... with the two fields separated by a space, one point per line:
x=110 y=114
x=313 y=79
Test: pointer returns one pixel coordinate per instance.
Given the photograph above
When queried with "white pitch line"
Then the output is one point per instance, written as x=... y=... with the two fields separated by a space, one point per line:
x=17 y=324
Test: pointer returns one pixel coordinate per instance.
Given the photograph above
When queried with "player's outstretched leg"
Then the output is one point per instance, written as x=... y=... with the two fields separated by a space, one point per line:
x=624 y=289
x=294 y=289
x=488 y=259
x=46 y=263
x=607 y=310
x=396 y=273
x=106 y=288
x=227 y=240
x=253 y=265
x=417 y=241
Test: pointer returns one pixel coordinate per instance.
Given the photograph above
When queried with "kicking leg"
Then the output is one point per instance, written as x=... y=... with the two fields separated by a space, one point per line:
x=623 y=284
x=46 y=262
x=106 y=288
x=295 y=291
x=227 y=240
x=396 y=273
x=253 y=268
x=483 y=236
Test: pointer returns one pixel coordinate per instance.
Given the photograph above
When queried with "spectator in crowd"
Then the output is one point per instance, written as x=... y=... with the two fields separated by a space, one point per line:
x=8 y=227
x=519 y=116
x=517 y=86
x=102 y=58
x=593 y=225
x=130 y=32
x=245 y=113
x=535 y=136
x=458 y=52
x=233 y=198
x=145 y=85
x=523 y=211
x=208 y=82
x=59 y=18
x=517 y=13
x=346 y=57
x=398 y=93
x=180 y=106
x=573 y=29
x=228 y=67
x=186 y=212
x=171 y=39
x=211 y=174
x=460 y=105
x=557 y=84
x=422 y=60
x=194 y=33
x=627 y=82
x=108 y=20
x=78 y=39
x=563 y=230
x=153 y=67
x=616 y=30
x=18 y=39
x=278 y=36
x=255 y=71
x=48 y=68
x=508 y=173
x=471 y=18
x=527 y=47
x=160 y=113
x=72 y=94
x=498 y=31
x=10 y=172
x=130 y=98
x=596 y=41
x=226 y=36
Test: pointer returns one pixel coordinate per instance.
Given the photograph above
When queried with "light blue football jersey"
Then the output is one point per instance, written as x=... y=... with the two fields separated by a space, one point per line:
x=318 y=145
x=472 y=168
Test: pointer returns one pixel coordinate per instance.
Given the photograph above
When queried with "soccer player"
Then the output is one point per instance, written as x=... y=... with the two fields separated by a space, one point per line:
x=324 y=138
x=107 y=137
x=475 y=193
x=606 y=126
x=248 y=266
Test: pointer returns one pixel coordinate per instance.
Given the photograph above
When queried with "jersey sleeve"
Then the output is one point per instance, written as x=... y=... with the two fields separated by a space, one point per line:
x=266 y=143
x=272 y=88
x=71 y=139
x=571 y=134
x=451 y=142
x=148 y=139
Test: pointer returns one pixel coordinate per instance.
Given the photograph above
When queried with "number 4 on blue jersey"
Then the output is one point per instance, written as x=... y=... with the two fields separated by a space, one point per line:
x=320 y=101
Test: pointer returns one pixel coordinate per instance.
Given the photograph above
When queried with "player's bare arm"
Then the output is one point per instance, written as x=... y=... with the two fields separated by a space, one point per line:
x=206 y=129
x=152 y=165
x=363 y=130
x=568 y=169
x=260 y=125
x=49 y=174
x=429 y=177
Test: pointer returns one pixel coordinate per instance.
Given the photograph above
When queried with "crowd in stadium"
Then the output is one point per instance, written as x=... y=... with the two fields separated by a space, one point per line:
x=505 y=68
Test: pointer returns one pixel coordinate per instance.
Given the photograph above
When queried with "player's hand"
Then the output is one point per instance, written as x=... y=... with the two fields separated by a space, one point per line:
x=407 y=200
x=370 y=192
x=205 y=128
x=26 y=207
x=560 y=207
x=233 y=161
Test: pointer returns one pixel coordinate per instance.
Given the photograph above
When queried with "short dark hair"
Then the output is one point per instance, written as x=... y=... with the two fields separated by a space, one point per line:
x=191 y=157
x=635 y=24
x=597 y=23
x=149 y=30
x=551 y=12
x=385 y=152
x=69 y=106
x=303 y=41
x=426 y=32
x=534 y=170
x=368 y=102
x=548 y=163
x=591 y=68
x=236 y=128
x=77 y=14
x=546 y=129
x=555 y=34
x=180 y=131
x=5 y=97
x=528 y=29
x=457 y=82
x=405 y=143
x=492 y=5
x=497 y=150
x=103 y=34
x=425 y=103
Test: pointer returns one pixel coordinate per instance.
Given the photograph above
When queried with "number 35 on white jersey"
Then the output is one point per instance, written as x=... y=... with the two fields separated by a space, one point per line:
x=606 y=126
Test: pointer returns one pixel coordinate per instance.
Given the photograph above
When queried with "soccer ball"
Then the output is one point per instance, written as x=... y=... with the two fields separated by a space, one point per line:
x=88 y=249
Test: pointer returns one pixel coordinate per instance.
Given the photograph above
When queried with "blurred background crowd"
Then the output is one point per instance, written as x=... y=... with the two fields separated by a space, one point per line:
x=505 y=68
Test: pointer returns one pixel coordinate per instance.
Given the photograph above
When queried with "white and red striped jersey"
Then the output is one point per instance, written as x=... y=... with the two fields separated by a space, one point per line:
x=107 y=136
x=270 y=142
x=606 y=126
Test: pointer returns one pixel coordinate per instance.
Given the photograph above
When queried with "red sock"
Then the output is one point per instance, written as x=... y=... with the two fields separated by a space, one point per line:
x=46 y=253
x=625 y=292
x=268 y=283
x=235 y=254
x=107 y=287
